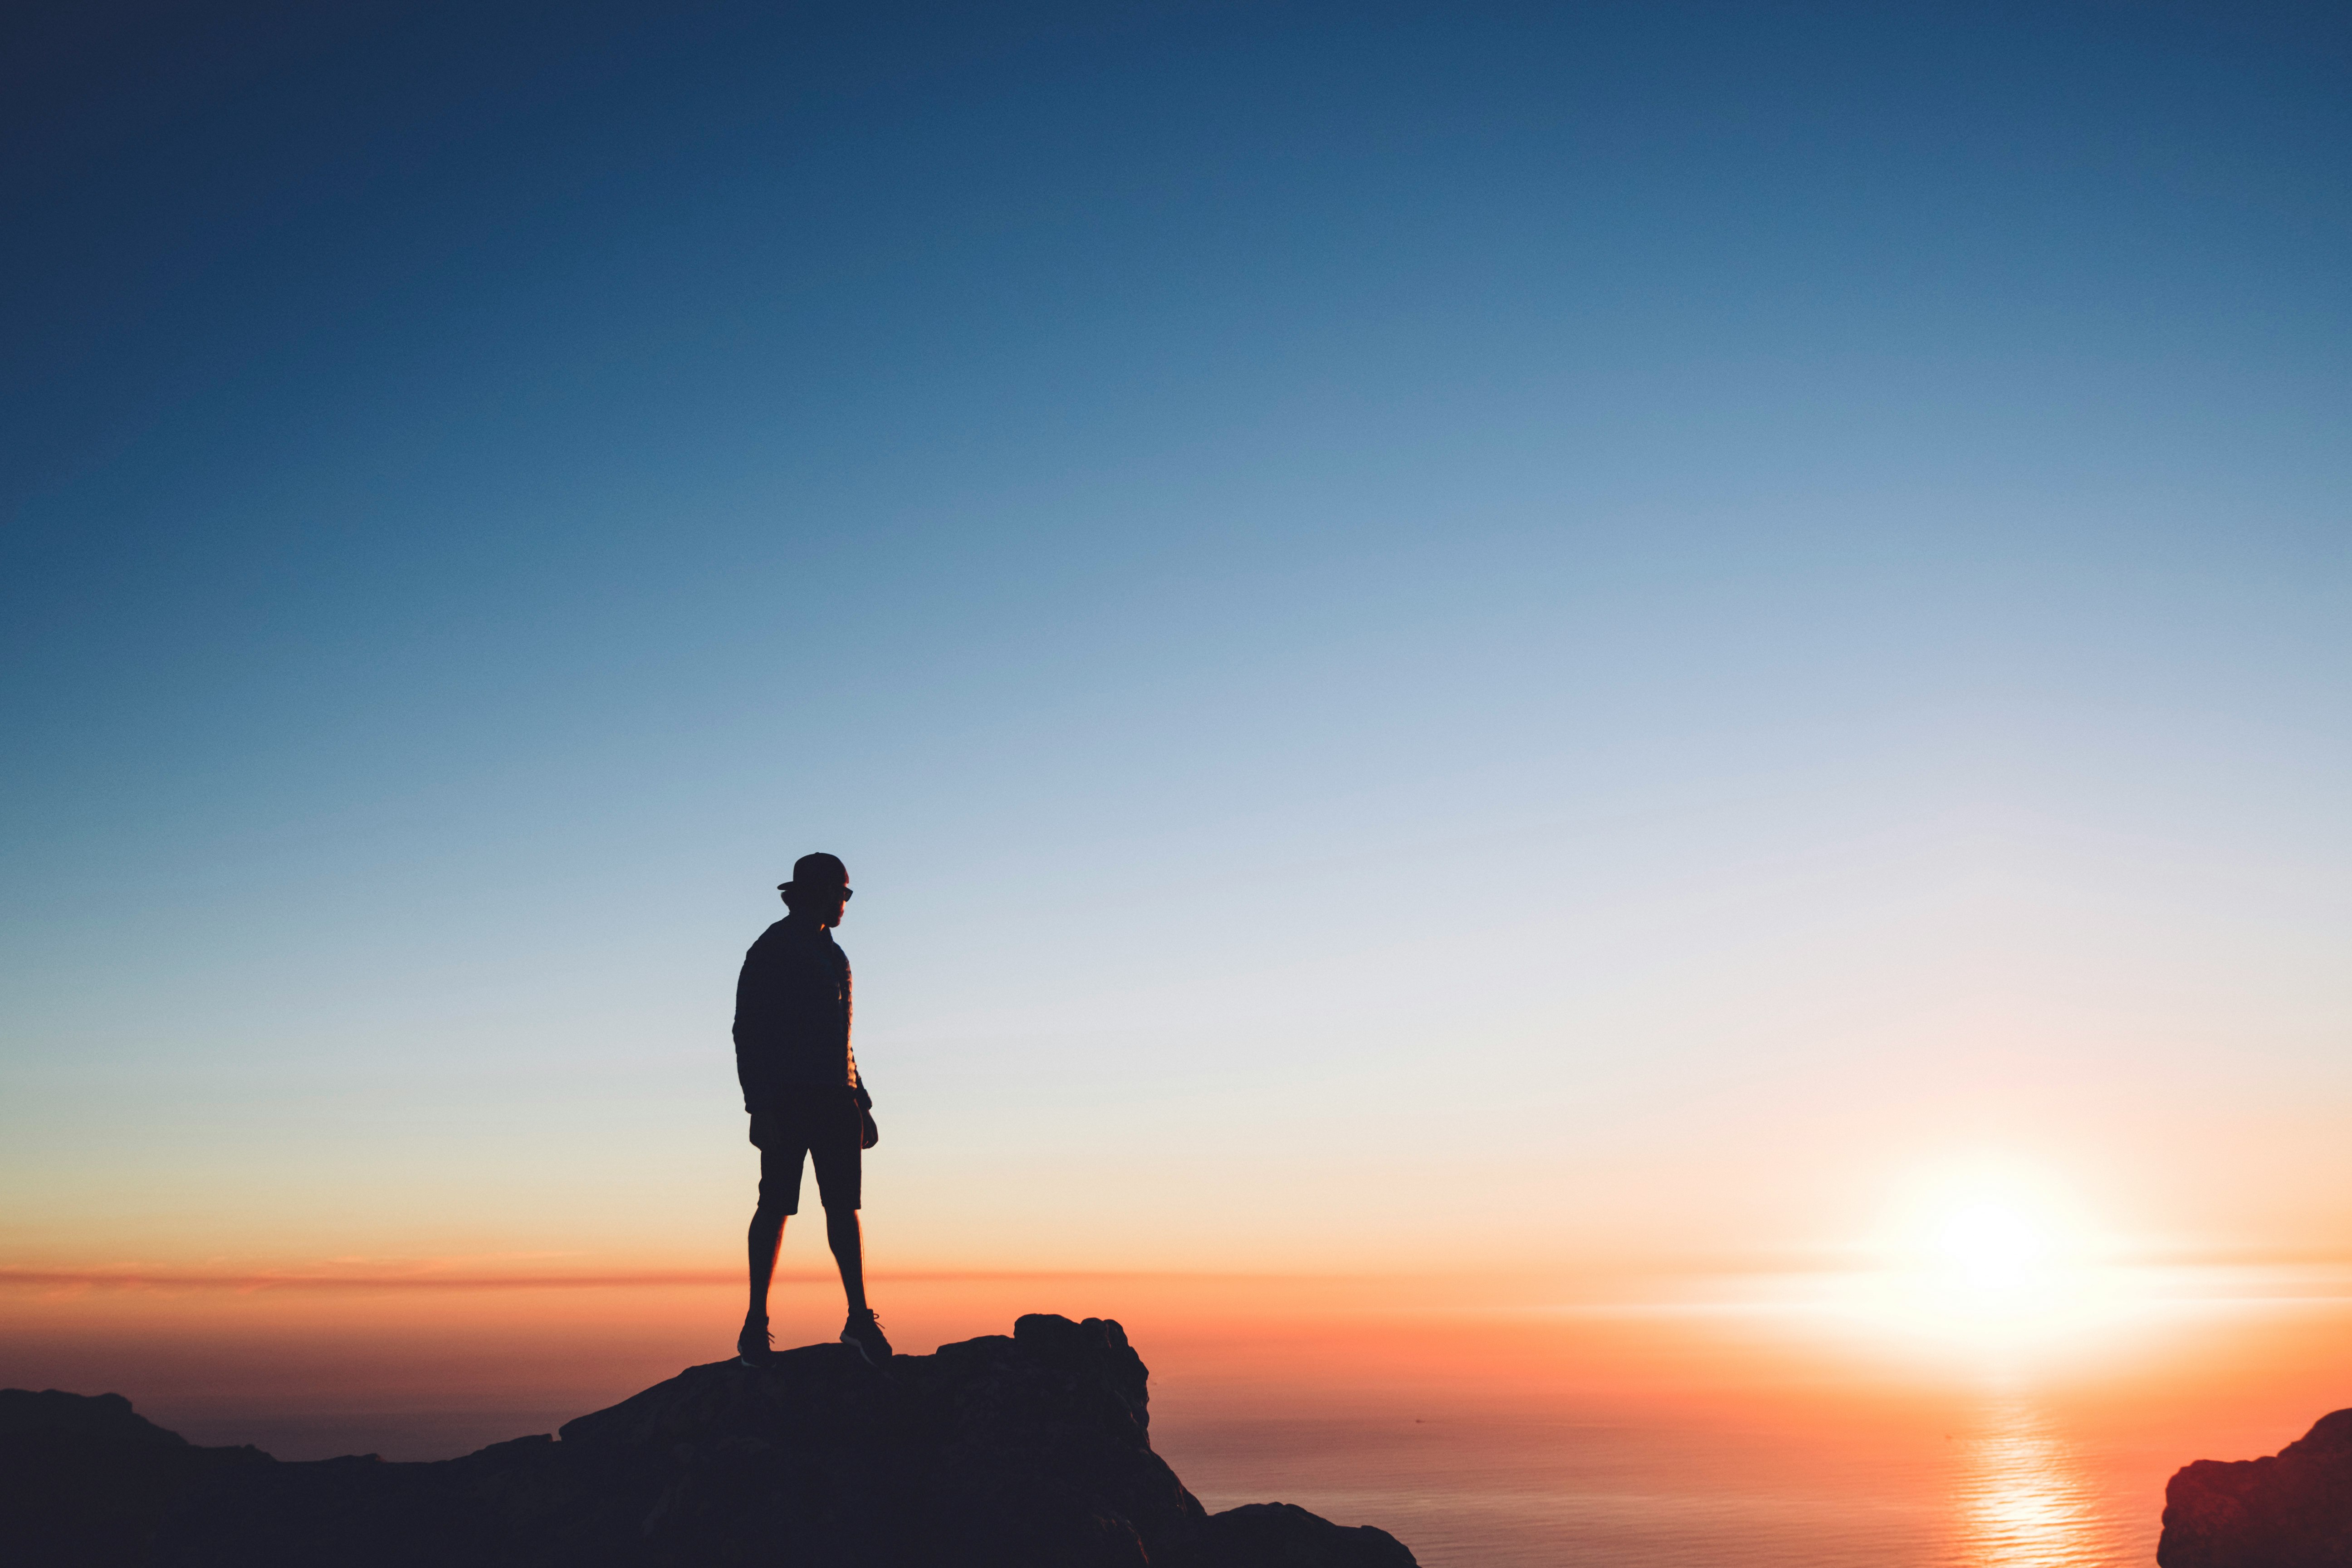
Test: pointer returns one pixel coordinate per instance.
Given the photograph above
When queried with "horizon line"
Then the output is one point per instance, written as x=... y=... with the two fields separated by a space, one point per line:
x=181 y=1277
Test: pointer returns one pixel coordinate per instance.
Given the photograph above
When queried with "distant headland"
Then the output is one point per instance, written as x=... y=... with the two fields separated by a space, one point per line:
x=2290 y=1509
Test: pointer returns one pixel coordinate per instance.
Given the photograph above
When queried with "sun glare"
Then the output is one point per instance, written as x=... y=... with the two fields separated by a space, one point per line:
x=1992 y=1247
x=1986 y=1256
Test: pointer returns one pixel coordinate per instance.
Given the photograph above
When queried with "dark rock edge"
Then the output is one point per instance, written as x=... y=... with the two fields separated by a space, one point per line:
x=2291 y=1510
x=1023 y=1451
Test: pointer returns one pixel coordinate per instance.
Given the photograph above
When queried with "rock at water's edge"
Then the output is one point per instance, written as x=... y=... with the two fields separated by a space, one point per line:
x=1022 y=1451
x=1283 y=1533
x=2293 y=1509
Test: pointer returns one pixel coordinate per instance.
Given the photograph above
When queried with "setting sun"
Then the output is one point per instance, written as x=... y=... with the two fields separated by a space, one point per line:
x=1989 y=1253
x=1994 y=1246
x=1992 y=1225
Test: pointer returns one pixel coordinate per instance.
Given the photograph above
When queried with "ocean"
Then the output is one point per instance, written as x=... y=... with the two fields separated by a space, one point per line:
x=2013 y=1490
x=1616 y=1437
x=1766 y=1443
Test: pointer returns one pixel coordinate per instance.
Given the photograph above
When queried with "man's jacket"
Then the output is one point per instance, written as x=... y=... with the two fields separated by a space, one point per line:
x=792 y=1016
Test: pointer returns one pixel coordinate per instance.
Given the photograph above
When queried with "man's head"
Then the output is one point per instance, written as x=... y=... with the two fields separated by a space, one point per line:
x=819 y=888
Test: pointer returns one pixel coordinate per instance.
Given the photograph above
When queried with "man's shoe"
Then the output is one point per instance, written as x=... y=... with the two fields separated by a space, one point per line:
x=864 y=1331
x=755 y=1344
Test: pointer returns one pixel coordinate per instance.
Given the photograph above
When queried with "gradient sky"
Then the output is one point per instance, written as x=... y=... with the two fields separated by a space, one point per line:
x=1513 y=638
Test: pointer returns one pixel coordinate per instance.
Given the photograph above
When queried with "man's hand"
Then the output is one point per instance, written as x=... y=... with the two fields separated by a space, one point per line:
x=869 y=1134
x=764 y=1126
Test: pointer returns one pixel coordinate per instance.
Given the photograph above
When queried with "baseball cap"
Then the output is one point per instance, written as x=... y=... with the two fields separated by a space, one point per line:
x=818 y=868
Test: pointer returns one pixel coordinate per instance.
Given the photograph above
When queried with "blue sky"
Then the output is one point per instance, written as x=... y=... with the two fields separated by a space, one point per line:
x=1613 y=618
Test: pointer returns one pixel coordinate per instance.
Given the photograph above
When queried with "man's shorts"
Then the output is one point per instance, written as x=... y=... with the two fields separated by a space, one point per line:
x=825 y=1125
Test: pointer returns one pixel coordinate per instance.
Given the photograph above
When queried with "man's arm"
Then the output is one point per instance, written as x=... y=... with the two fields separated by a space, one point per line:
x=754 y=1014
x=868 y=1133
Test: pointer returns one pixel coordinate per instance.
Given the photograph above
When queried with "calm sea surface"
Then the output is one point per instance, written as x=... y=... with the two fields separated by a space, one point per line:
x=1603 y=1441
x=2056 y=1461
x=2014 y=1489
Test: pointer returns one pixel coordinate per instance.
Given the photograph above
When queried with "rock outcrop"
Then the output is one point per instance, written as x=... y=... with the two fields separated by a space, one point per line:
x=2293 y=1509
x=1022 y=1451
x=88 y=1480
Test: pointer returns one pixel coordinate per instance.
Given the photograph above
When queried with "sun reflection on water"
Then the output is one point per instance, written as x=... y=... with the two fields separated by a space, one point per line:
x=2022 y=1499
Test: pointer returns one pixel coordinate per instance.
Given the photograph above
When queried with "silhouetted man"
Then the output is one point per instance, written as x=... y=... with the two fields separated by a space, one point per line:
x=801 y=1089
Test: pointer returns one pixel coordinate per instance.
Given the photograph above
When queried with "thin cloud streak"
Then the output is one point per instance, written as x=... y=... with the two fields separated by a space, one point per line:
x=147 y=1279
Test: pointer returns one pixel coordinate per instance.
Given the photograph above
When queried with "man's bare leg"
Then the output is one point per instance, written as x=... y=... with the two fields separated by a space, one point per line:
x=849 y=1243
x=766 y=1237
x=842 y=1234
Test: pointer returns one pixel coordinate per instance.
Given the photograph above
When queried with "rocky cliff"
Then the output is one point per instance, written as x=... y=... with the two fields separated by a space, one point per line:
x=2293 y=1509
x=1030 y=1449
